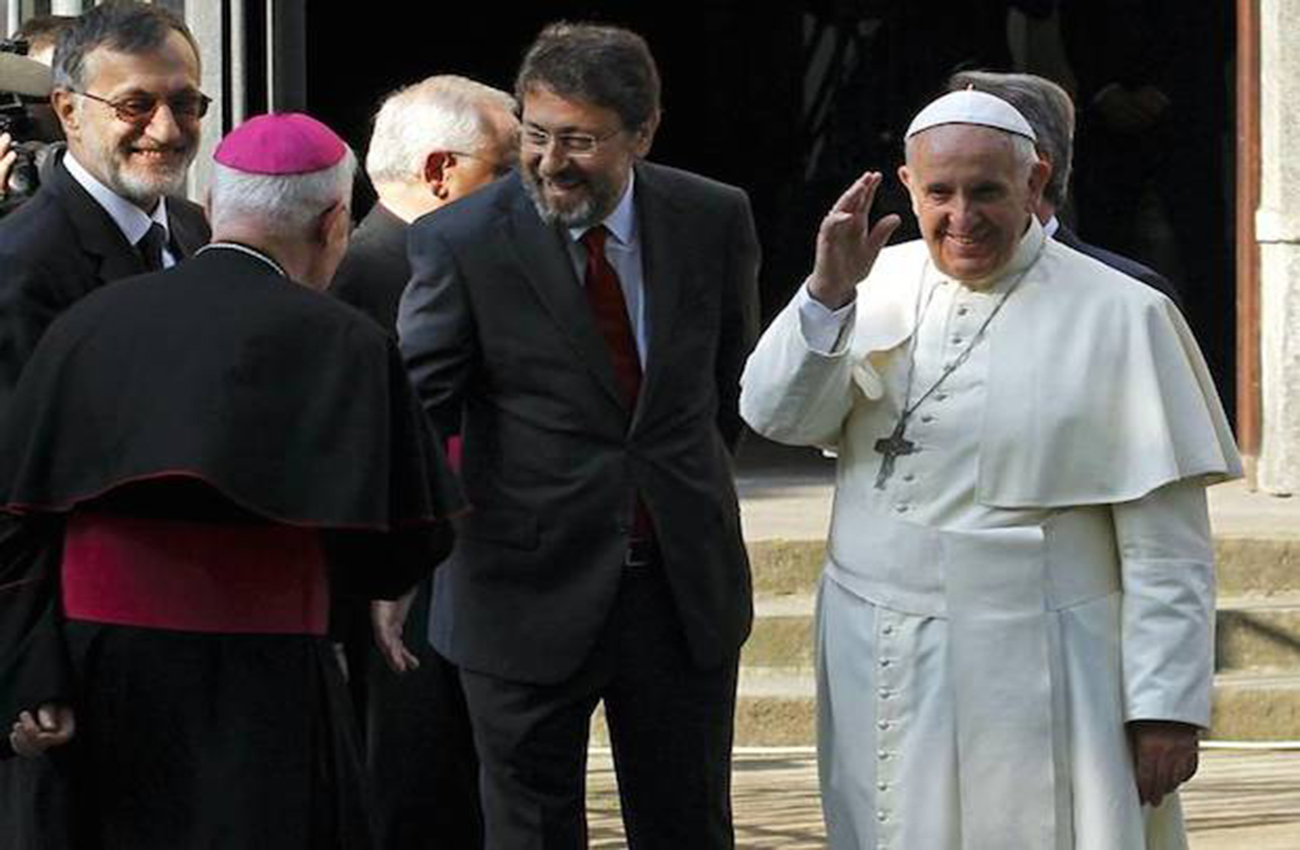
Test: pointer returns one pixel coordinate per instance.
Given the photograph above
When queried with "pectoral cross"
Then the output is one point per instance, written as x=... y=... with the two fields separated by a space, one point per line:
x=891 y=448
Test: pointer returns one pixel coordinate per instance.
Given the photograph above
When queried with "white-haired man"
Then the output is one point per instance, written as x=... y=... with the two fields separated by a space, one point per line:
x=434 y=142
x=187 y=419
x=1015 y=626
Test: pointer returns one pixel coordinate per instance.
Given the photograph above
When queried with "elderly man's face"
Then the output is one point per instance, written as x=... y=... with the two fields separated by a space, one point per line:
x=576 y=157
x=139 y=161
x=971 y=196
x=494 y=159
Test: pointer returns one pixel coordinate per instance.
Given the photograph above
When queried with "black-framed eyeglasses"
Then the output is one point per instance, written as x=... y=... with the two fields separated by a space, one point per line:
x=139 y=109
x=537 y=140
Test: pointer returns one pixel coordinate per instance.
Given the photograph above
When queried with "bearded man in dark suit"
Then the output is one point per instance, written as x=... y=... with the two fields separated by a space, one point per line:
x=583 y=325
x=126 y=90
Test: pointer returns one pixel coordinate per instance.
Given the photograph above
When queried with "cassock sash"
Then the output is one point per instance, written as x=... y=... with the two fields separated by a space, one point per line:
x=219 y=577
x=999 y=589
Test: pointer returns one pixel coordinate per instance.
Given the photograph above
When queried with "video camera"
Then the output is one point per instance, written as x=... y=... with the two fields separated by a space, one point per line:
x=25 y=116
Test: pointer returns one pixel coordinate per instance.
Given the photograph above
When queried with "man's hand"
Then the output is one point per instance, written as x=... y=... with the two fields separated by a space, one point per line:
x=53 y=726
x=388 y=619
x=847 y=245
x=1164 y=756
x=8 y=156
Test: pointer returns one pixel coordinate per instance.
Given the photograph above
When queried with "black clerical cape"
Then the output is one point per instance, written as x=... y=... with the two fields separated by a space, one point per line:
x=216 y=391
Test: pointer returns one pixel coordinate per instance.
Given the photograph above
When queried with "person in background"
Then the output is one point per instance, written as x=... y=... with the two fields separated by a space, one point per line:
x=434 y=142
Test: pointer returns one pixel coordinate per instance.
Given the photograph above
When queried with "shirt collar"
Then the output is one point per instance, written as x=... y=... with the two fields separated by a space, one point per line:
x=621 y=223
x=130 y=219
x=1053 y=224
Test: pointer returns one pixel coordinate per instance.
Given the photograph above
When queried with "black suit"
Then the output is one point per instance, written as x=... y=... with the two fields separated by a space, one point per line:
x=1132 y=268
x=375 y=269
x=419 y=745
x=536 y=604
x=57 y=248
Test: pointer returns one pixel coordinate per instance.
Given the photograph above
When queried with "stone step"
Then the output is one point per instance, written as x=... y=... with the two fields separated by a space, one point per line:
x=778 y=708
x=1246 y=564
x=1258 y=632
x=1253 y=632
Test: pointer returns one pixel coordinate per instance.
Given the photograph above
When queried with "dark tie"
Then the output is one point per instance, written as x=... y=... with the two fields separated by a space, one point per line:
x=605 y=295
x=606 y=298
x=151 y=247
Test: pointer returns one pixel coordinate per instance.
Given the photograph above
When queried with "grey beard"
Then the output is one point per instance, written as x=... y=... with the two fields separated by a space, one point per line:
x=584 y=214
x=146 y=191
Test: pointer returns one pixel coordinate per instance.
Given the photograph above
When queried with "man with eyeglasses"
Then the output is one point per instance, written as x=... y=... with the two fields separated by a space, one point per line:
x=126 y=79
x=434 y=142
x=583 y=324
x=126 y=91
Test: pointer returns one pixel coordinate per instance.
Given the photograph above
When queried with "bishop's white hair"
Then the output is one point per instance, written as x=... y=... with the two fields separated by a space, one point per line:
x=283 y=205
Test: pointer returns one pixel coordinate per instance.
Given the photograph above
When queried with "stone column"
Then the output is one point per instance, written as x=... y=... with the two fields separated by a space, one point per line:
x=1277 y=224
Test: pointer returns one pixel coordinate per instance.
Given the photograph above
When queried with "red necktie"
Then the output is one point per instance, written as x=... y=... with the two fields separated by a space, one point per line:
x=605 y=295
x=607 y=305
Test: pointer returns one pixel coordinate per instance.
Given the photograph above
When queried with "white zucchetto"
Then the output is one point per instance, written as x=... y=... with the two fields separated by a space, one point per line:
x=972 y=107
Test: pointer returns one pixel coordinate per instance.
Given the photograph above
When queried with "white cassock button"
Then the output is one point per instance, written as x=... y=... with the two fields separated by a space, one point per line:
x=884 y=724
x=902 y=509
x=882 y=816
x=889 y=630
x=882 y=755
x=885 y=662
x=961 y=311
x=886 y=693
x=882 y=786
x=956 y=340
x=940 y=396
x=927 y=418
x=909 y=478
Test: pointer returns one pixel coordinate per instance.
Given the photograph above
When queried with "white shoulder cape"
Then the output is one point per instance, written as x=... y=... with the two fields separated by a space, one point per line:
x=1097 y=391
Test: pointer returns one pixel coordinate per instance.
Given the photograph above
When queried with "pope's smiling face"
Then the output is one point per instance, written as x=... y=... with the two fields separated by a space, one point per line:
x=973 y=195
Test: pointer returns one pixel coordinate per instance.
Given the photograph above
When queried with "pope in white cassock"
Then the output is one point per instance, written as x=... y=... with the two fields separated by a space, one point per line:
x=1015 y=623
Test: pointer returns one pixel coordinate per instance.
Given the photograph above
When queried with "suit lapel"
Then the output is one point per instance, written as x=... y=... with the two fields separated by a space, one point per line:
x=98 y=234
x=544 y=259
x=665 y=249
x=188 y=230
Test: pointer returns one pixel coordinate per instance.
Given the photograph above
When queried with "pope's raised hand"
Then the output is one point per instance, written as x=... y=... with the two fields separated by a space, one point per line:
x=847 y=243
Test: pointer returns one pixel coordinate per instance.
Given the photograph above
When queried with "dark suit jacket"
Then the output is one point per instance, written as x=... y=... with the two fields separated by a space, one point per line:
x=495 y=325
x=1132 y=268
x=375 y=269
x=58 y=248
